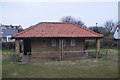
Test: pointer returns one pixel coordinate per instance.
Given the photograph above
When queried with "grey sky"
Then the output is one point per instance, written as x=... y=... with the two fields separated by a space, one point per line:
x=29 y=13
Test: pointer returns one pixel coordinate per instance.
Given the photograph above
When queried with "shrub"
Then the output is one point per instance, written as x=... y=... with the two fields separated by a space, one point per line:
x=8 y=45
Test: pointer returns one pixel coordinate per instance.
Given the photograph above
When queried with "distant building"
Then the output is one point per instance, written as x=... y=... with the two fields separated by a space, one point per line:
x=7 y=30
x=117 y=32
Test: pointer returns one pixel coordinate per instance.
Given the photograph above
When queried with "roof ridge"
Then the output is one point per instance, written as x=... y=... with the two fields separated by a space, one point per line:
x=57 y=22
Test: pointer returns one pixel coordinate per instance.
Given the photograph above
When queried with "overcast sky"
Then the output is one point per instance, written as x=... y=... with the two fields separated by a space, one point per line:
x=29 y=13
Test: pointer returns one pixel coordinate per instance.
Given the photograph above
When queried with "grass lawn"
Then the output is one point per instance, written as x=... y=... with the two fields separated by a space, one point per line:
x=90 y=68
x=7 y=51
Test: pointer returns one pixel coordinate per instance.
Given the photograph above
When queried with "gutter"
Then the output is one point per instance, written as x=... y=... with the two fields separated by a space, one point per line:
x=57 y=37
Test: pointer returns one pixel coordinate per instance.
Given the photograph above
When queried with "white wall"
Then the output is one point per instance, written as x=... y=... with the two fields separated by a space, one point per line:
x=8 y=38
x=117 y=34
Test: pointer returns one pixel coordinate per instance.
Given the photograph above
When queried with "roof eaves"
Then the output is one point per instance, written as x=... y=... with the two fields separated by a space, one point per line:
x=56 y=37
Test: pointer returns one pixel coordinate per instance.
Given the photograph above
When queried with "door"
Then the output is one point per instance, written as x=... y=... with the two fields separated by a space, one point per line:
x=27 y=46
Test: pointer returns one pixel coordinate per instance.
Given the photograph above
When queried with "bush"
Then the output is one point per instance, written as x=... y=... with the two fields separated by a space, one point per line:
x=105 y=43
x=8 y=45
x=108 y=43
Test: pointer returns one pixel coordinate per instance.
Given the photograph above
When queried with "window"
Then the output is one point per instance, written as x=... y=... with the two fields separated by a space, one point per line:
x=64 y=42
x=118 y=30
x=54 y=42
x=72 y=42
x=9 y=39
x=4 y=39
x=43 y=40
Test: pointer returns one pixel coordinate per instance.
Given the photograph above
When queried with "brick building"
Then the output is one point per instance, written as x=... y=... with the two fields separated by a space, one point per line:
x=57 y=39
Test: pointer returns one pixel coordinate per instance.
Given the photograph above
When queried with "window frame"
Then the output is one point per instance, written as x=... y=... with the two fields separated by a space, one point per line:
x=53 y=43
x=64 y=42
x=72 y=42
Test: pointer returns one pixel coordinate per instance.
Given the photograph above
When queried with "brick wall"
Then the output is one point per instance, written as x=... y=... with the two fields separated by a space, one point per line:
x=41 y=45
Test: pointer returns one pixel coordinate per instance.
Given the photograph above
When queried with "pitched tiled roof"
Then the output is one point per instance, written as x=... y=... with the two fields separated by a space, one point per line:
x=56 y=29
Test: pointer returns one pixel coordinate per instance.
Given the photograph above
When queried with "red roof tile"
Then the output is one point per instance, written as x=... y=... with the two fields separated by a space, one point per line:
x=56 y=29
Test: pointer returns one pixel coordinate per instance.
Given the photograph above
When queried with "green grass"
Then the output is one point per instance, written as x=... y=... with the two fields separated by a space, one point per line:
x=7 y=51
x=113 y=48
x=99 y=56
x=90 y=68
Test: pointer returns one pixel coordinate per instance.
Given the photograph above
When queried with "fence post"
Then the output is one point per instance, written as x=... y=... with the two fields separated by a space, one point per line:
x=97 y=47
x=60 y=49
x=13 y=58
x=29 y=56
x=17 y=46
x=106 y=53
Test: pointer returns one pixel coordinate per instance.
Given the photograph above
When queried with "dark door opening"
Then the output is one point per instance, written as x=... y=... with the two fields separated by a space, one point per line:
x=27 y=46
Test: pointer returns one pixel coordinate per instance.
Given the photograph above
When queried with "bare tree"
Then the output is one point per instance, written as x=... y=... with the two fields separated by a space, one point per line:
x=110 y=26
x=68 y=19
x=100 y=29
x=71 y=19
